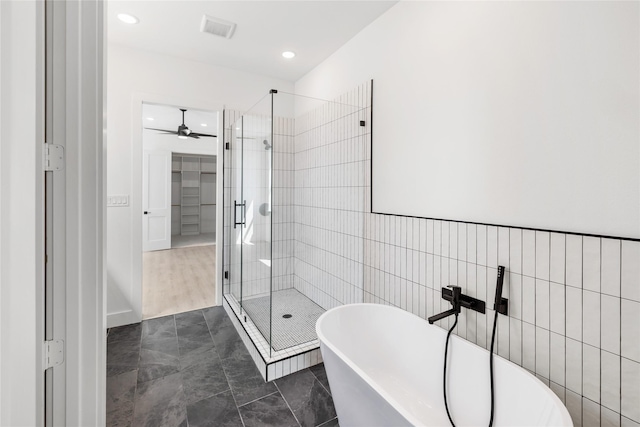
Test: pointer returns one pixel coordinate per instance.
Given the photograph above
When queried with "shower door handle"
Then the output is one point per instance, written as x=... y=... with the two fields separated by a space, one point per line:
x=242 y=214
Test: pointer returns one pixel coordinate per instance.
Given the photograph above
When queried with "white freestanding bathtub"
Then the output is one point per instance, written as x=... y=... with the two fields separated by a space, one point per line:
x=385 y=369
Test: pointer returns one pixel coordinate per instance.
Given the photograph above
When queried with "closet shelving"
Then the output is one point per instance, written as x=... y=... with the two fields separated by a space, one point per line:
x=193 y=194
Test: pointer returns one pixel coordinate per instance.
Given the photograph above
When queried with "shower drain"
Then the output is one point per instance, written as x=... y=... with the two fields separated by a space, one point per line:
x=287 y=316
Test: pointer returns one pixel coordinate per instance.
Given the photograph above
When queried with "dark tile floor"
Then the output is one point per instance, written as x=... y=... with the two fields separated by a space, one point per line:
x=192 y=369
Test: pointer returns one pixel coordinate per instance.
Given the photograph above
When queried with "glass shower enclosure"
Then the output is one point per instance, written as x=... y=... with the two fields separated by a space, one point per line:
x=269 y=173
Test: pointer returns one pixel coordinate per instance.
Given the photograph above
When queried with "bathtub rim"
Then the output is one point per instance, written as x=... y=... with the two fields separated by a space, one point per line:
x=566 y=418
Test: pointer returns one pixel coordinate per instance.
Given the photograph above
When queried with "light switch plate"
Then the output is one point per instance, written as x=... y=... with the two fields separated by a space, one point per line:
x=118 y=200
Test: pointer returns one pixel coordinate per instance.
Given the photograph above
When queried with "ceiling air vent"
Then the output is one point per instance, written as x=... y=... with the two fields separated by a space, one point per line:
x=217 y=26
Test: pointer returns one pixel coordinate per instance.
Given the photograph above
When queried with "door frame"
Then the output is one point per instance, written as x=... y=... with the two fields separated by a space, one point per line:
x=22 y=212
x=22 y=216
x=135 y=315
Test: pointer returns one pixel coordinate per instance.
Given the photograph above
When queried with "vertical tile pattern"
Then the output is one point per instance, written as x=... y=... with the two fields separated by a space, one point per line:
x=630 y=275
x=331 y=164
x=630 y=330
x=573 y=316
x=567 y=323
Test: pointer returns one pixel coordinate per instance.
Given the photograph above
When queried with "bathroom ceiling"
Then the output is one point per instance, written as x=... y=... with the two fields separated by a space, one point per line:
x=311 y=29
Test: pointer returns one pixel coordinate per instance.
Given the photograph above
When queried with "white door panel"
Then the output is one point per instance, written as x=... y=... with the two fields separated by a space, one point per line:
x=156 y=200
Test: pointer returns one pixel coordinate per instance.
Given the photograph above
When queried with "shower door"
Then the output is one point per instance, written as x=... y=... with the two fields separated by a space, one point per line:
x=250 y=204
x=237 y=212
x=256 y=230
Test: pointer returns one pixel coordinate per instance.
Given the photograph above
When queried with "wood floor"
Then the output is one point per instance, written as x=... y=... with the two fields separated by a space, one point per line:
x=178 y=280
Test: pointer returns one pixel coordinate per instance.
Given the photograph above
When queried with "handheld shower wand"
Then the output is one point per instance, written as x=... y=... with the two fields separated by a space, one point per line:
x=500 y=305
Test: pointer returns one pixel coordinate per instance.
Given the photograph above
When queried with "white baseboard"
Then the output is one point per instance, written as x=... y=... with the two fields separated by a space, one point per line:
x=122 y=318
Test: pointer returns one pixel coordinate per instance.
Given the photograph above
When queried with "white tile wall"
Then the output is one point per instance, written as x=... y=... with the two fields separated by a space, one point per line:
x=582 y=338
x=330 y=158
x=577 y=337
x=574 y=299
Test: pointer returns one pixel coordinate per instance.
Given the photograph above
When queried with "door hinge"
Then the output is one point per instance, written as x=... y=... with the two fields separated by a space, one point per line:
x=53 y=157
x=53 y=353
x=226 y=274
x=226 y=145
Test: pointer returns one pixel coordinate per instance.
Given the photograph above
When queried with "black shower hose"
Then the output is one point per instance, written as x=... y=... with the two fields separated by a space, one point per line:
x=444 y=377
x=444 y=380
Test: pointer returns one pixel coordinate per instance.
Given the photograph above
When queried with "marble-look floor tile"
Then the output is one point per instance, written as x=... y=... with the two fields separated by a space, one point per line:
x=160 y=403
x=271 y=410
x=125 y=333
x=193 y=331
x=330 y=423
x=228 y=343
x=119 y=369
x=122 y=356
x=245 y=380
x=156 y=364
x=204 y=380
x=162 y=327
x=196 y=353
x=308 y=399
x=190 y=317
x=321 y=375
x=119 y=401
x=216 y=411
x=166 y=345
x=195 y=364
x=215 y=316
x=193 y=336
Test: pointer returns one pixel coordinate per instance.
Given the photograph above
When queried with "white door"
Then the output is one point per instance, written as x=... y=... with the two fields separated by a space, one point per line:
x=156 y=200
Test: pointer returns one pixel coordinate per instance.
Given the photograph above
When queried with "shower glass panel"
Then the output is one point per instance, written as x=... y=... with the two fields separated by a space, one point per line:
x=256 y=231
x=251 y=174
x=297 y=195
x=236 y=218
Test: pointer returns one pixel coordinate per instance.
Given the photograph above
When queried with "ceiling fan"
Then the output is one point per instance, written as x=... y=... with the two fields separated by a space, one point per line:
x=183 y=131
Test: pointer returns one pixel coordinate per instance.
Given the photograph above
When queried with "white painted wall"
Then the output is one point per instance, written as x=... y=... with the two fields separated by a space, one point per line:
x=514 y=113
x=135 y=76
x=21 y=214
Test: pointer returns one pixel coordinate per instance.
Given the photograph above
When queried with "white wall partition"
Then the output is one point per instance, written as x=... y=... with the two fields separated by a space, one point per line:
x=134 y=77
x=515 y=113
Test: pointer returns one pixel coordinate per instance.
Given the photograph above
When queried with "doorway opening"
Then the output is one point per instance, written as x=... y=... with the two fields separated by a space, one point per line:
x=179 y=192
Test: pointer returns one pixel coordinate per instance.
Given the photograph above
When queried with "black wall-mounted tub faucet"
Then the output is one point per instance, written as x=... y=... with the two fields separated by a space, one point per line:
x=456 y=292
x=455 y=296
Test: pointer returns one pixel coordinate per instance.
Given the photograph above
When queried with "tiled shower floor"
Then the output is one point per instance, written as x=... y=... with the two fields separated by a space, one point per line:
x=285 y=332
x=192 y=369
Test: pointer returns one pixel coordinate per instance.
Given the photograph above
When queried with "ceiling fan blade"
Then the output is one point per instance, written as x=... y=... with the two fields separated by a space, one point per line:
x=164 y=130
x=204 y=134
x=193 y=135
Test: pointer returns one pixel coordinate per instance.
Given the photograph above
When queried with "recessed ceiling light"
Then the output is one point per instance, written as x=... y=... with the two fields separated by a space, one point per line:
x=128 y=19
x=288 y=54
x=203 y=124
x=150 y=119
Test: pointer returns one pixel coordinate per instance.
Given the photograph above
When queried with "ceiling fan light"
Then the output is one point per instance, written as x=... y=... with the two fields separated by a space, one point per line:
x=182 y=137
